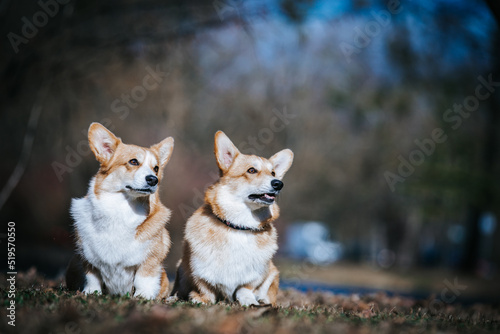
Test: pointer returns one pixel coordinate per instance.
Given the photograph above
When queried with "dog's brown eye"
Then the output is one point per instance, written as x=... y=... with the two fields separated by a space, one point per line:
x=252 y=170
x=273 y=173
x=156 y=169
x=134 y=162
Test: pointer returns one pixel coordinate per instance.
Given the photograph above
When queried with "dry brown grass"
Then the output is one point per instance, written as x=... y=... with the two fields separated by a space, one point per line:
x=45 y=306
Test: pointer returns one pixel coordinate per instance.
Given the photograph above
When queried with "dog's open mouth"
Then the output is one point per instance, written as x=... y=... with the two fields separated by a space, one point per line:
x=267 y=198
x=143 y=190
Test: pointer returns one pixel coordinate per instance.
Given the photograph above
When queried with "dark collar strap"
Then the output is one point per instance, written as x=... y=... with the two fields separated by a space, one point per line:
x=236 y=227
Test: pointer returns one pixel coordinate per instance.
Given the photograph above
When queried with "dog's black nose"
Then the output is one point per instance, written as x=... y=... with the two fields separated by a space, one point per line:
x=151 y=180
x=277 y=184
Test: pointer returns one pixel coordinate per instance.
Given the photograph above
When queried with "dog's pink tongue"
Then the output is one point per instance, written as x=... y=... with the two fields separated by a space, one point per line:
x=268 y=196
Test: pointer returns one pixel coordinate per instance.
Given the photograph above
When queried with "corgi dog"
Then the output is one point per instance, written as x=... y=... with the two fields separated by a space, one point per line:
x=120 y=224
x=229 y=242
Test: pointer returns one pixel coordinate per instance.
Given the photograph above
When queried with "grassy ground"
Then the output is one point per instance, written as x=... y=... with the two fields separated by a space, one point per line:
x=44 y=306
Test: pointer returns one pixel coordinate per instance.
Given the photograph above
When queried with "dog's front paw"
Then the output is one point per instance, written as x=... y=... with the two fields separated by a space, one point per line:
x=148 y=292
x=248 y=301
x=92 y=284
x=264 y=301
x=246 y=297
x=88 y=290
x=147 y=287
x=145 y=294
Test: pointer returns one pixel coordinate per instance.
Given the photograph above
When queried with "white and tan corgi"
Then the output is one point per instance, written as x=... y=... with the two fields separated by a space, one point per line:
x=229 y=242
x=120 y=224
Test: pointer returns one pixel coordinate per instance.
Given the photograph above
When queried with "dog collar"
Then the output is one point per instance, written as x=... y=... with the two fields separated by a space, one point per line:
x=236 y=227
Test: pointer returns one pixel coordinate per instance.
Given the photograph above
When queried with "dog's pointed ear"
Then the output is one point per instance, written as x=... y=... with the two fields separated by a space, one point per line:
x=164 y=150
x=281 y=162
x=102 y=142
x=225 y=151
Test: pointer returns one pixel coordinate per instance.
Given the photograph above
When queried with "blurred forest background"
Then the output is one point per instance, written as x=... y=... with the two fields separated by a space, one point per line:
x=367 y=94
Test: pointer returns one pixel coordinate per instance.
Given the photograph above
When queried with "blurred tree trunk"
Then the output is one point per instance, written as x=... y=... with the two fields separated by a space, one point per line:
x=485 y=200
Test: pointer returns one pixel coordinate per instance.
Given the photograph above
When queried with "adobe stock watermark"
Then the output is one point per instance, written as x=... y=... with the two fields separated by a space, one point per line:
x=265 y=136
x=120 y=106
x=139 y=93
x=30 y=28
x=363 y=37
x=448 y=295
x=454 y=117
x=252 y=145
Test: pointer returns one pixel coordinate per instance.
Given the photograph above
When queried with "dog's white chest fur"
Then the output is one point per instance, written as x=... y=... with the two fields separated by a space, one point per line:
x=106 y=227
x=235 y=261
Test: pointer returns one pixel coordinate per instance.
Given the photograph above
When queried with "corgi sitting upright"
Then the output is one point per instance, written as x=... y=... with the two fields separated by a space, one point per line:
x=120 y=224
x=229 y=242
